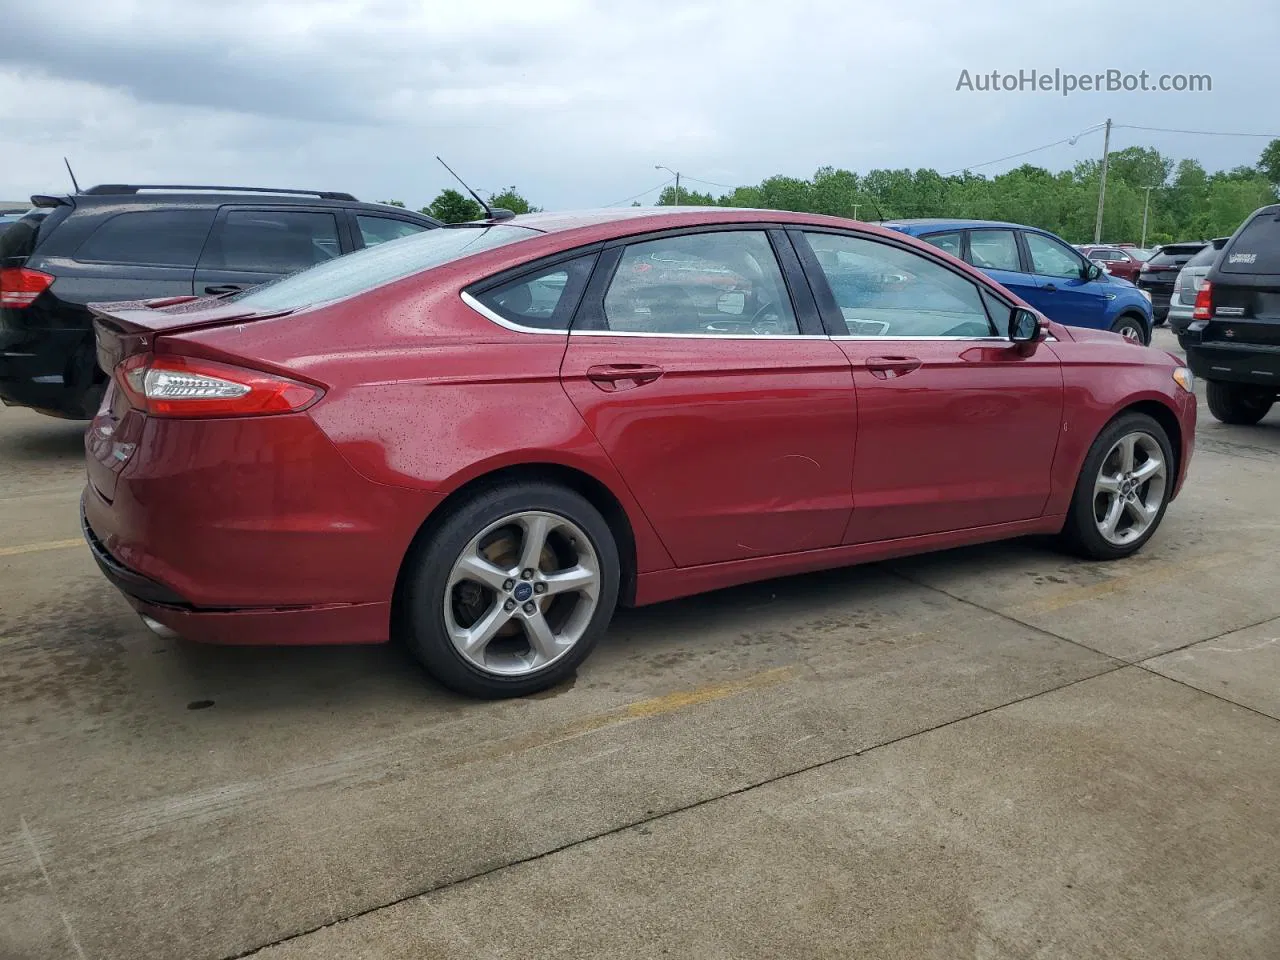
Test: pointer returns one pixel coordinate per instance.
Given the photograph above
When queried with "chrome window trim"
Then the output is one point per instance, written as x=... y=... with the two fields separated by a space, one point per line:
x=502 y=321
x=698 y=336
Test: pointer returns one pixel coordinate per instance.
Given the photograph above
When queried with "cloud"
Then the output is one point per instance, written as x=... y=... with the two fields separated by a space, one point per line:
x=575 y=101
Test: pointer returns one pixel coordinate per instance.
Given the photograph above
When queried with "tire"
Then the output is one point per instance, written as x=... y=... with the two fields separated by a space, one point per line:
x=1237 y=403
x=440 y=613
x=1132 y=328
x=1082 y=532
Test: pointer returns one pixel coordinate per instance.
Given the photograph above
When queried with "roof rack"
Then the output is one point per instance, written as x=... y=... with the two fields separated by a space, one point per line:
x=125 y=189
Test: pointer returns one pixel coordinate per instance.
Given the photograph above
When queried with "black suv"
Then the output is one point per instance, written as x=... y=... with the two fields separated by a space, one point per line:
x=135 y=242
x=1233 y=340
x=1158 y=274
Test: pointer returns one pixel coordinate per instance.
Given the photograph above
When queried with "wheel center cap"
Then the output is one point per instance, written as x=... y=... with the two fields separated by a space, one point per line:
x=522 y=592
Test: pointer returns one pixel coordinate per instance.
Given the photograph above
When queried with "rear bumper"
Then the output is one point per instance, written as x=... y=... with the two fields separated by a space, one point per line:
x=1233 y=363
x=49 y=370
x=1180 y=316
x=334 y=623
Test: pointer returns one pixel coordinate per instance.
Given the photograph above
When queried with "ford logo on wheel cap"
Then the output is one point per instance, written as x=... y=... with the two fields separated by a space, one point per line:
x=522 y=592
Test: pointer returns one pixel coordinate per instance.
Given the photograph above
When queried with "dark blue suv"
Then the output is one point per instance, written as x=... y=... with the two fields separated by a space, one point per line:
x=1043 y=270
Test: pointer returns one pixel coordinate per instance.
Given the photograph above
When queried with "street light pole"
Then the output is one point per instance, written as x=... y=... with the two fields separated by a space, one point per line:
x=1102 y=185
x=658 y=166
x=1146 y=204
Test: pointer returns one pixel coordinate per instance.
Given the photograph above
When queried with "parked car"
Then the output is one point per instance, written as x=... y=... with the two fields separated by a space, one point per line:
x=1044 y=271
x=7 y=220
x=1233 y=340
x=120 y=242
x=1183 y=299
x=423 y=439
x=1158 y=274
x=1117 y=261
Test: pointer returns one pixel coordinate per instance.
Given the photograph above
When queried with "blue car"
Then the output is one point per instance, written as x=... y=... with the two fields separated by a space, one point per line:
x=1043 y=270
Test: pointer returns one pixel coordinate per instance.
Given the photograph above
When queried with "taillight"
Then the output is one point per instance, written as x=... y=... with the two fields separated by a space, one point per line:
x=19 y=286
x=173 y=386
x=1204 y=302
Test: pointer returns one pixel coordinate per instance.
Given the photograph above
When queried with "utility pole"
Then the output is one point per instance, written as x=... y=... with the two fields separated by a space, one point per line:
x=1146 y=204
x=658 y=166
x=855 y=210
x=1102 y=184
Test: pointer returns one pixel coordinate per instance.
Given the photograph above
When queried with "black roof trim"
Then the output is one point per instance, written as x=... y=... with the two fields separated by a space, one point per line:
x=126 y=189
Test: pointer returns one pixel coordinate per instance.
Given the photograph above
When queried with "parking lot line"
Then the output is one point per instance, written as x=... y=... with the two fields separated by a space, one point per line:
x=41 y=547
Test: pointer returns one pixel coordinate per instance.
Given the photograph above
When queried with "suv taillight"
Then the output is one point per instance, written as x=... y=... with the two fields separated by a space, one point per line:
x=173 y=386
x=1204 y=302
x=19 y=286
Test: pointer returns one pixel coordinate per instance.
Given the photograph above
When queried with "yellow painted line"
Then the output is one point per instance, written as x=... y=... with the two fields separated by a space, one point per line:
x=1160 y=572
x=680 y=699
x=41 y=547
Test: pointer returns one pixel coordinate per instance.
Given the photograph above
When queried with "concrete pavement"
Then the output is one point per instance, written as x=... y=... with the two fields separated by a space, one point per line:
x=996 y=752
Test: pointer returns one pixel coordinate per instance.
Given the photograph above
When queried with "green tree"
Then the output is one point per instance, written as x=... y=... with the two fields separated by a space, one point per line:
x=394 y=203
x=688 y=198
x=1269 y=163
x=452 y=207
x=510 y=199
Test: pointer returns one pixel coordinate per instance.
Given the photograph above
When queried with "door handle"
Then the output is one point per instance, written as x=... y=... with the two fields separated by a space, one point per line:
x=1050 y=288
x=623 y=376
x=221 y=289
x=886 y=368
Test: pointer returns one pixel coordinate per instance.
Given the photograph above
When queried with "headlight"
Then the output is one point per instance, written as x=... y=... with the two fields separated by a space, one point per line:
x=1145 y=293
x=1184 y=378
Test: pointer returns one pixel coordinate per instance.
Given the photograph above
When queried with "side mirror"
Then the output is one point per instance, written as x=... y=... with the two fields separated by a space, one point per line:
x=1024 y=326
x=1090 y=271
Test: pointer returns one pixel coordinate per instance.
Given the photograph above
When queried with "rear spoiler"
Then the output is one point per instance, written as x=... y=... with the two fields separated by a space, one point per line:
x=44 y=200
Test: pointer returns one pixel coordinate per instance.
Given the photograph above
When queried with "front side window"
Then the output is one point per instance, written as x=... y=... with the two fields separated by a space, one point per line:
x=162 y=238
x=1051 y=258
x=545 y=300
x=887 y=291
x=272 y=241
x=703 y=283
x=376 y=230
x=994 y=250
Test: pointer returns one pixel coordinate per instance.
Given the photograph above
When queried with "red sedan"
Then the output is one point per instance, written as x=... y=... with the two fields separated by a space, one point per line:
x=1118 y=261
x=482 y=439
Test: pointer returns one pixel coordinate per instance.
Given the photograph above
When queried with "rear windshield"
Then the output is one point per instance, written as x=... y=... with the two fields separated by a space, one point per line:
x=377 y=266
x=1256 y=249
x=1175 y=254
x=1205 y=257
x=19 y=240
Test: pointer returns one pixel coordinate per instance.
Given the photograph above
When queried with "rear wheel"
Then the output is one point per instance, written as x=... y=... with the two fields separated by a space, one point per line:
x=1131 y=328
x=510 y=593
x=1123 y=489
x=1238 y=403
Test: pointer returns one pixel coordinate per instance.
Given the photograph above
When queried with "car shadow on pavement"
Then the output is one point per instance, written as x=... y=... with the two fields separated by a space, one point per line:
x=42 y=440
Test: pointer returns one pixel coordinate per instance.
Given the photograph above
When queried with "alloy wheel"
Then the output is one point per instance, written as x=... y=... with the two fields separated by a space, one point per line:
x=1129 y=489
x=522 y=593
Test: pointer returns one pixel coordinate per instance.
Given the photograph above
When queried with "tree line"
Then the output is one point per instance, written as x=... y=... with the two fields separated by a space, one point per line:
x=1183 y=200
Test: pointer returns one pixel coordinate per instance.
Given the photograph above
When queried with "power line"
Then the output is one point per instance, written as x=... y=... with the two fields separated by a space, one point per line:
x=712 y=183
x=642 y=193
x=1200 y=133
x=1014 y=156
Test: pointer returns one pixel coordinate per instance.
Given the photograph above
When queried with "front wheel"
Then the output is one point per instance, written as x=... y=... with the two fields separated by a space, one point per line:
x=1123 y=489
x=1238 y=403
x=1131 y=328
x=510 y=593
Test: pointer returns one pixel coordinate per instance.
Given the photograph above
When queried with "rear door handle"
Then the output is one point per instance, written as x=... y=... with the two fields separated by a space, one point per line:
x=1050 y=288
x=887 y=368
x=623 y=376
x=219 y=289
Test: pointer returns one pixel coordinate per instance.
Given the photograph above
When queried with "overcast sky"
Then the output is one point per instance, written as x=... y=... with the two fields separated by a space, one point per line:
x=575 y=101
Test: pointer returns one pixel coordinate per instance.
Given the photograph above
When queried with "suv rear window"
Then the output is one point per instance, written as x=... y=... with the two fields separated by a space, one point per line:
x=377 y=266
x=1256 y=249
x=1205 y=257
x=1176 y=254
x=165 y=238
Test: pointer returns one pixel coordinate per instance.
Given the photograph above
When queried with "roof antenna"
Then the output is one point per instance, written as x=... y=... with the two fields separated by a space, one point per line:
x=491 y=213
x=72 y=175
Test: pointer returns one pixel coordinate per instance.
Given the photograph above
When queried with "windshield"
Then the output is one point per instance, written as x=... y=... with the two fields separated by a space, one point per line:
x=377 y=266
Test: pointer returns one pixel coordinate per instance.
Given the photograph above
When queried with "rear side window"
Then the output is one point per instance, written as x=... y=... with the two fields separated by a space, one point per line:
x=545 y=300
x=949 y=242
x=19 y=240
x=375 y=230
x=160 y=238
x=994 y=250
x=1257 y=247
x=272 y=241
x=377 y=266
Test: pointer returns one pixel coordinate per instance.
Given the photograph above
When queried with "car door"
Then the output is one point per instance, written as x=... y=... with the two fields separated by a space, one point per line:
x=995 y=251
x=136 y=255
x=1064 y=288
x=253 y=245
x=710 y=383
x=957 y=426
